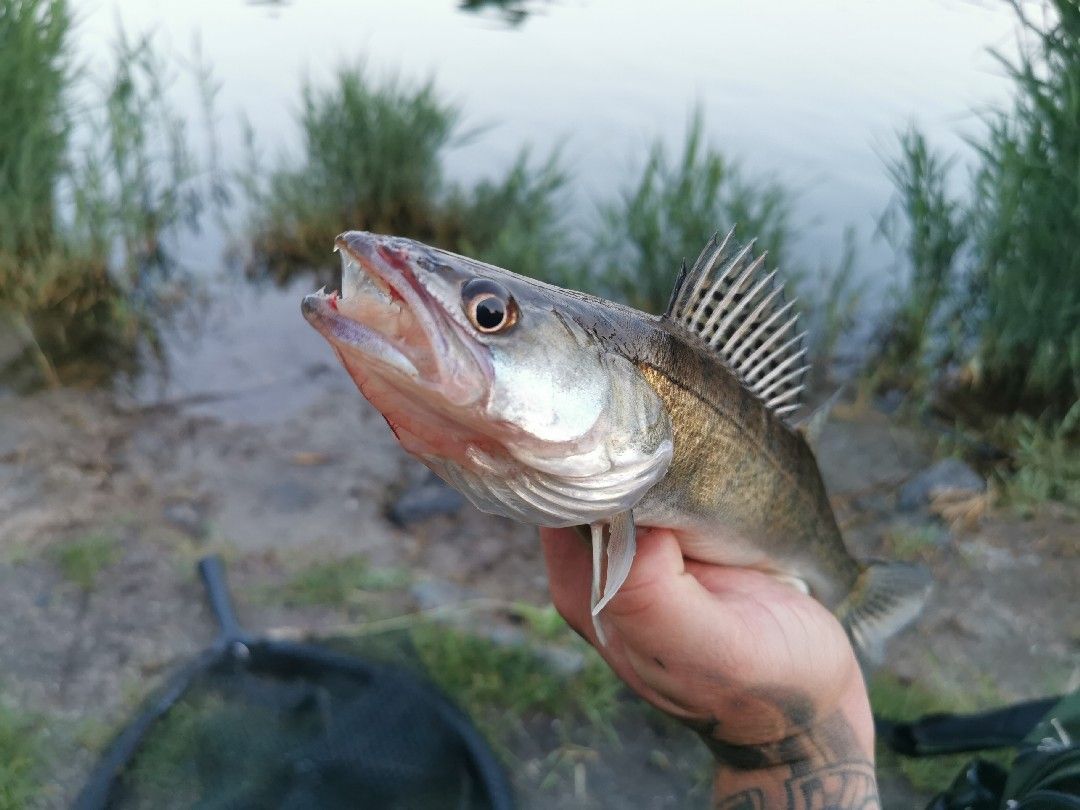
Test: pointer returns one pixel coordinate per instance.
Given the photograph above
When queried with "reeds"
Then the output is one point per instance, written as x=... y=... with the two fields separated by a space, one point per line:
x=928 y=228
x=1026 y=214
x=89 y=195
x=35 y=71
x=371 y=159
x=518 y=222
x=673 y=209
x=995 y=284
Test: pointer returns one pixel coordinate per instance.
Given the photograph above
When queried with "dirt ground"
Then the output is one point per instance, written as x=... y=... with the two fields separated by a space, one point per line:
x=274 y=494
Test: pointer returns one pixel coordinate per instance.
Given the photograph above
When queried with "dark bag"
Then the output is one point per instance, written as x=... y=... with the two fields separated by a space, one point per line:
x=1045 y=775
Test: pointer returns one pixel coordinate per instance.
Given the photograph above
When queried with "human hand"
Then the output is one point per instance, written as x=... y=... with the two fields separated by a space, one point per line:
x=763 y=672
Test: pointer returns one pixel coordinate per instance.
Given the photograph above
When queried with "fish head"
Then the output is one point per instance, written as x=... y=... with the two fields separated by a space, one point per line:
x=501 y=384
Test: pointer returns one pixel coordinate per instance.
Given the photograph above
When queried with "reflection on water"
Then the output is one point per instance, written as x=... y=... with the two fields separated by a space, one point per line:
x=808 y=92
x=511 y=12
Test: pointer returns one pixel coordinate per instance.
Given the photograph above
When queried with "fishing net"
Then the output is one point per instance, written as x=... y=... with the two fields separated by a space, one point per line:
x=253 y=723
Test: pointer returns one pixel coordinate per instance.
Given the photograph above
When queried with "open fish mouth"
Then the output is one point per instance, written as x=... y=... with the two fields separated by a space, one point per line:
x=386 y=321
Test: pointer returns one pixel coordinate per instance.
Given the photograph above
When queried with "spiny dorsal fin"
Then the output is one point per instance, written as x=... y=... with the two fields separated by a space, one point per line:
x=731 y=303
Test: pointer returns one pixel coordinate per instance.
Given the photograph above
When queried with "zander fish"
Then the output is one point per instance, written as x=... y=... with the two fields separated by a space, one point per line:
x=558 y=408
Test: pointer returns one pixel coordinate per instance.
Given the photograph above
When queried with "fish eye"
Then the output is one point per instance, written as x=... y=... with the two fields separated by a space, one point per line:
x=489 y=306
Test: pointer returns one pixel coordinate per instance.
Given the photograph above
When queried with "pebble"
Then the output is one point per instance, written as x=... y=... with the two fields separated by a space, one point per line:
x=186 y=517
x=949 y=473
x=431 y=594
x=431 y=498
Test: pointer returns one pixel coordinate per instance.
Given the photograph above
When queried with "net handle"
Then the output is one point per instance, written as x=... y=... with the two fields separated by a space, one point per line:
x=212 y=571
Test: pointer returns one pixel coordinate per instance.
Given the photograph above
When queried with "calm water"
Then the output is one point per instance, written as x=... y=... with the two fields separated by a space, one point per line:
x=808 y=92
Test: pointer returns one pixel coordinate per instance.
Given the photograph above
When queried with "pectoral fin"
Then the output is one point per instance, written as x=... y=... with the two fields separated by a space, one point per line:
x=613 y=547
x=621 y=546
x=597 y=564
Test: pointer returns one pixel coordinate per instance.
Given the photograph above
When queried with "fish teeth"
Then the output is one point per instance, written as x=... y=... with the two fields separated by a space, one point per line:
x=356 y=280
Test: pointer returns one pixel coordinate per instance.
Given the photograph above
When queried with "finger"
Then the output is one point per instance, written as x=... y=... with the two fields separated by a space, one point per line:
x=673 y=631
x=569 y=563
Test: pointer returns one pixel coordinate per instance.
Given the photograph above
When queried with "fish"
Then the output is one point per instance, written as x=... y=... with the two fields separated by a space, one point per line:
x=558 y=408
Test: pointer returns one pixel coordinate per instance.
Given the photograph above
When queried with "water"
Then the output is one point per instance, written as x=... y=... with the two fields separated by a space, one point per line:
x=811 y=93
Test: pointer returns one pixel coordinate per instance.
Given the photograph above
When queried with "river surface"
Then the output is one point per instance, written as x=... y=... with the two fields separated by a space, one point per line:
x=811 y=93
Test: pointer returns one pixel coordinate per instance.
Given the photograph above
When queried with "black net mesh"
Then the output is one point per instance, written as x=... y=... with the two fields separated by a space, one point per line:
x=269 y=724
x=299 y=727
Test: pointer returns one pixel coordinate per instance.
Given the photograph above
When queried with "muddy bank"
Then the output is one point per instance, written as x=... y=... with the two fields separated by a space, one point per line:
x=165 y=484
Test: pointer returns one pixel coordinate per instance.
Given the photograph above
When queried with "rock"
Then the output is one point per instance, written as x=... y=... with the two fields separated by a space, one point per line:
x=431 y=594
x=564 y=662
x=426 y=500
x=310 y=458
x=290 y=496
x=502 y=635
x=186 y=517
x=947 y=474
x=890 y=401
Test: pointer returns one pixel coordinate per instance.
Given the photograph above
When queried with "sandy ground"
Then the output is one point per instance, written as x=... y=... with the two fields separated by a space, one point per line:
x=276 y=494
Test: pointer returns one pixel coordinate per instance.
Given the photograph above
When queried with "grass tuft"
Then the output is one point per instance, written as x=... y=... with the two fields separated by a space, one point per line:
x=517 y=222
x=373 y=160
x=81 y=561
x=338 y=583
x=1046 y=461
x=20 y=760
x=493 y=680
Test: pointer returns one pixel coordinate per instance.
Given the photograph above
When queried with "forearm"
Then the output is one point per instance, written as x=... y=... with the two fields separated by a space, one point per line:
x=829 y=766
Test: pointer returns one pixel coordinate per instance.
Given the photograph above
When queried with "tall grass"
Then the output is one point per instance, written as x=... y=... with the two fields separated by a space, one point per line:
x=91 y=193
x=134 y=178
x=1026 y=210
x=831 y=301
x=372 y=159
x=994 y=284
x=678 y=202
x=35 y=70
x=928 y=227
x=673 y=209
x=517 y=222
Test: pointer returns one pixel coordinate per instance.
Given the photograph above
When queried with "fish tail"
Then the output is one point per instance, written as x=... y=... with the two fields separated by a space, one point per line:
x=886 y=598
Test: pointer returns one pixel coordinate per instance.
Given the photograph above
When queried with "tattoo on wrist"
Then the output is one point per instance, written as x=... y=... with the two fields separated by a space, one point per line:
x=752 y=799
x=820 y=767
x=842 y=785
